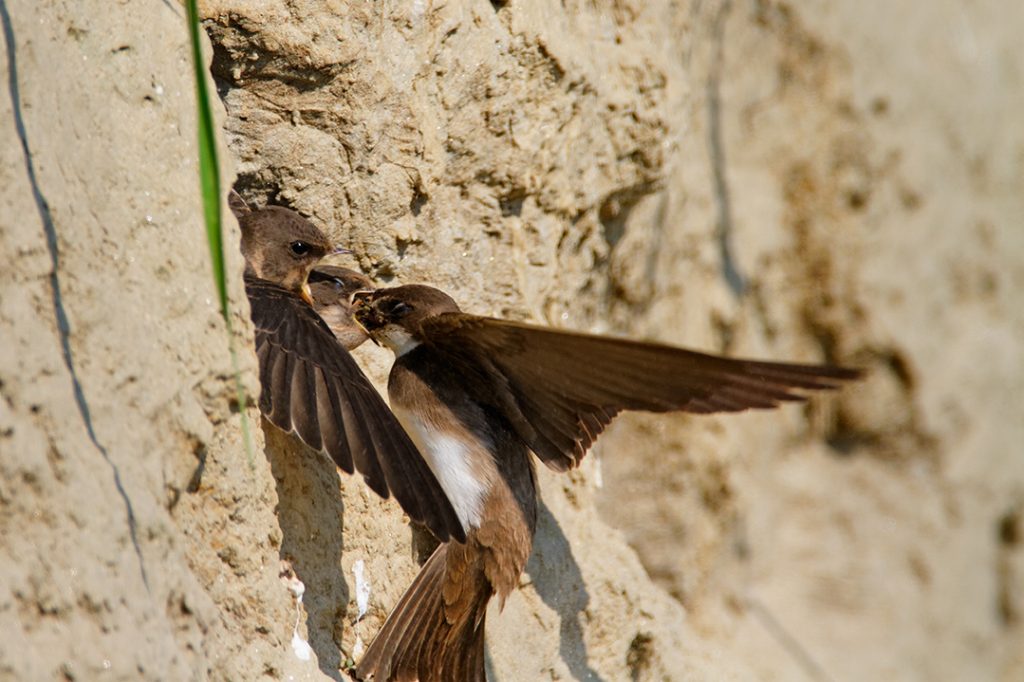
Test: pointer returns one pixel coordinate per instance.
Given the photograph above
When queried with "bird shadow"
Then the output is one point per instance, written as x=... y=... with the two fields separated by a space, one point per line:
x=558 y=581
x=310 y=511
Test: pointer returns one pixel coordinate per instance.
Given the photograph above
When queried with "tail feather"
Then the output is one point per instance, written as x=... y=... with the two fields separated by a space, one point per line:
x=427 y=637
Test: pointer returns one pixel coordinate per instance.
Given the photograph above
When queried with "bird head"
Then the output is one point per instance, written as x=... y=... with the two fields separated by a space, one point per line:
x=332 y=289
x=394 y=317
x=281 y=246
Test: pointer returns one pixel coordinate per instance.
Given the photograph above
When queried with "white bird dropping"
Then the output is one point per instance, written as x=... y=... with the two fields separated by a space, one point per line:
x=362 y=589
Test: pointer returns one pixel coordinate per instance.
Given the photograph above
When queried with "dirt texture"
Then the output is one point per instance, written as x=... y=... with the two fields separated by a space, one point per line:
x=831 y=181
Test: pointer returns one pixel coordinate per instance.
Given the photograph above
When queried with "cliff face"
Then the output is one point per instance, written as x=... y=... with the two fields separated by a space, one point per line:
x=834 y=182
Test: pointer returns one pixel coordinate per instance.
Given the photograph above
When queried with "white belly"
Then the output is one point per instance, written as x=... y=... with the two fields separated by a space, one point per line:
x=448 y=456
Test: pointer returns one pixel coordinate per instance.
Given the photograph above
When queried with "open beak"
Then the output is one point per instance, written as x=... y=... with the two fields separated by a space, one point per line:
x=360 y=297
x=362 y=313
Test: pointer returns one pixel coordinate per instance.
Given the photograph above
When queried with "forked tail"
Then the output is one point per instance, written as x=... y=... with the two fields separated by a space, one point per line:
x=436 y=632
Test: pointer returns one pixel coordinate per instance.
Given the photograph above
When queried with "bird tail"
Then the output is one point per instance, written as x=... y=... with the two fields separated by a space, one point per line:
x=436 y=633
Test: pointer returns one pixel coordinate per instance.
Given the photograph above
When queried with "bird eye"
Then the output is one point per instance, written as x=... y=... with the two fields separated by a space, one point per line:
x=400 y=309
x=338 y=284
x=299 y=248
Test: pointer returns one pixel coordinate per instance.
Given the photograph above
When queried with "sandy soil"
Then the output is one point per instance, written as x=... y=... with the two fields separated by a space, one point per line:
x=830 y=181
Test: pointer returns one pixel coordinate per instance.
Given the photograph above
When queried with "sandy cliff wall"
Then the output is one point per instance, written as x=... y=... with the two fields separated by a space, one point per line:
x=839 y=181
x=106 y=419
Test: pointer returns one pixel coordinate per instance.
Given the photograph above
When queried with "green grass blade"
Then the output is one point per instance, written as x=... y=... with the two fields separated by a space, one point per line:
x=209 y=177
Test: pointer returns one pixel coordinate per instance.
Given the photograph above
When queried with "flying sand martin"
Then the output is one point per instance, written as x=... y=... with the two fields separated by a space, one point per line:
x=310 y=383
x=479 y=394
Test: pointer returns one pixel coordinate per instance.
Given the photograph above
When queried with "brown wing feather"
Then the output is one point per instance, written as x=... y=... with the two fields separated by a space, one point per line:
x=312 y=386
x=568 y=386
x=335 y=436
x=436 y=631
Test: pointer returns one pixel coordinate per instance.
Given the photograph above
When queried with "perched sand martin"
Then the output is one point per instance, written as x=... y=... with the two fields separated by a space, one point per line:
x=311 y=385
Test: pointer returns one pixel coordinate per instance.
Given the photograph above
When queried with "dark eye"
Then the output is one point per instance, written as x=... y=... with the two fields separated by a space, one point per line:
x=399 y=309
x=299 y=248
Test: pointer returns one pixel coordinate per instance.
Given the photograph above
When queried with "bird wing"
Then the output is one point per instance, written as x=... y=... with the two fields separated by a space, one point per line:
x=313 y=387
x=566 y=387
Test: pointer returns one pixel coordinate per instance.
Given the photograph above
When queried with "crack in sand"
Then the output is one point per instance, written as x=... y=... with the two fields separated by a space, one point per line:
x=716 y=150
x=785 y=639
x=63 y=326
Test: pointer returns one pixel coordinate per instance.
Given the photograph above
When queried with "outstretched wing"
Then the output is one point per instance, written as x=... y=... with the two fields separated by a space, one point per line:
x=566 y=387
x=313 y=387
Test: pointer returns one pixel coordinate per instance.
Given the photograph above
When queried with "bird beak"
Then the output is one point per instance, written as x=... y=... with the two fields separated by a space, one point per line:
x=359 y=304
x=306 y=294
x=360 y=297
x=363 y=314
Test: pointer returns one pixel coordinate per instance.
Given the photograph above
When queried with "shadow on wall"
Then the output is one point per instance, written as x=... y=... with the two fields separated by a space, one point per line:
x=307 y=493
x=558 y=581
